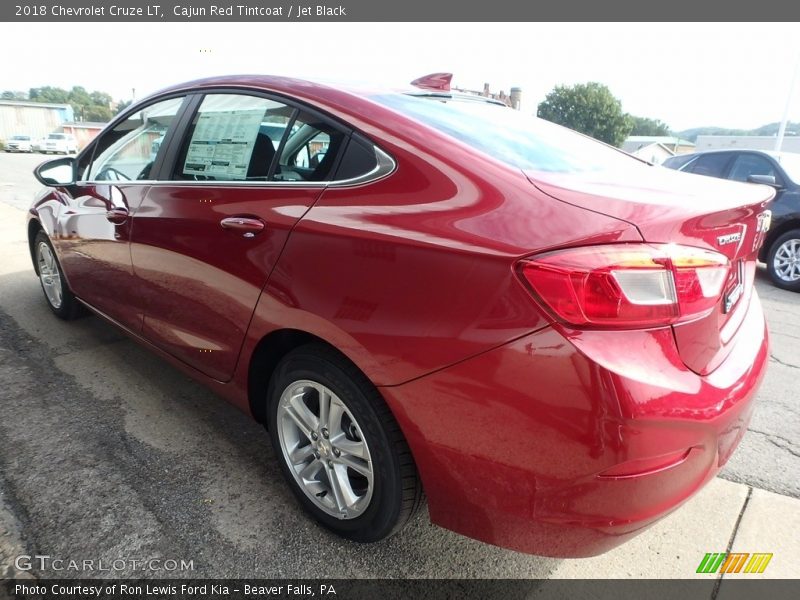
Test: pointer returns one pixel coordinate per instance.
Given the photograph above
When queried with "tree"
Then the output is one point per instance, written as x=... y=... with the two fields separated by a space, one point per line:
x=122 y=105
x=49 y=94
x=87 y=106
x=13 y=95
x=589 y=108
x=645 y=126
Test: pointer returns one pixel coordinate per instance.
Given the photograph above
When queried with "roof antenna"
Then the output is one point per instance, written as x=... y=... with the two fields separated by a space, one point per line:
x=434 y=81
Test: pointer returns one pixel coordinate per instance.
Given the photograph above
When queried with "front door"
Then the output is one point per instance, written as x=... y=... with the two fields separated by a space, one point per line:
x=94 y=231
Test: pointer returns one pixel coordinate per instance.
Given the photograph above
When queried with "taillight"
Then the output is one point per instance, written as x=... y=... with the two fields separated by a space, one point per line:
x=627 y=285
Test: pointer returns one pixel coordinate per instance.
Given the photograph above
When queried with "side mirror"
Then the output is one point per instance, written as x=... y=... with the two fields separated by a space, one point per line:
x=764 y=180
x=58 y=172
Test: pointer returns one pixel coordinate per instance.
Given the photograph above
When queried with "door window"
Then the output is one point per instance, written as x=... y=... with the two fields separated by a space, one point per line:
x=241 y=138
x=310 y=151
x=128 y=151
x=751 y=164
x=233 y=138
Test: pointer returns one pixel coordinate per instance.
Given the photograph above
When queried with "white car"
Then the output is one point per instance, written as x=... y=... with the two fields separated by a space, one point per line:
x=60 y=143
x=38 y=144
x=19 y=143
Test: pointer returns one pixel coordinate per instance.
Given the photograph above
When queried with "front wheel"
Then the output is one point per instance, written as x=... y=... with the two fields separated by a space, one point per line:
x=339 y=447
x=58 y=295
x=783 y=261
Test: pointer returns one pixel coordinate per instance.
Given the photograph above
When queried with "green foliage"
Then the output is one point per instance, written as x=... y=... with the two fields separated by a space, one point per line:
x=122 y=105
x=645 y=126
x=49 y=94
x=589 y=108
x=87 y=106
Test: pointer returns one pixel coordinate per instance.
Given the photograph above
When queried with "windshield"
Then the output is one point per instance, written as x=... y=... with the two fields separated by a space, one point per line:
x=517 y=139
x=22 y=138
x=56 y=136
x=791 y=164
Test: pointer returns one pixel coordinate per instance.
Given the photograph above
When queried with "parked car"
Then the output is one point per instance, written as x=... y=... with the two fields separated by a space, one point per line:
x=19 y=143
x=781 y=170
x=60 y=143
x=155 y=146
x=38 y=144
x=558 y=342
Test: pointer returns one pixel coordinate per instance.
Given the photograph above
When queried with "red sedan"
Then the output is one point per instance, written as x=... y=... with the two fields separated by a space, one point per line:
x=419 y=290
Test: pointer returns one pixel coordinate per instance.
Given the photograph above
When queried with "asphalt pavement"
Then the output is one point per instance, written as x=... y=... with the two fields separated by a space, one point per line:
x=106 y=451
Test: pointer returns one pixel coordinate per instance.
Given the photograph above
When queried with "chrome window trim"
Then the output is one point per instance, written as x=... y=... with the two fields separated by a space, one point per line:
x=385 y=167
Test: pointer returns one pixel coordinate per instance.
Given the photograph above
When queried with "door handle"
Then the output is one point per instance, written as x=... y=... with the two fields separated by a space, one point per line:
x=248 y=226
x=117 y=215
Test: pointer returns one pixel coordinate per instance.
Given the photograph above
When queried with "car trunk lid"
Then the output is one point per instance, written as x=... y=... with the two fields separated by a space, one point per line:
x=672 y=207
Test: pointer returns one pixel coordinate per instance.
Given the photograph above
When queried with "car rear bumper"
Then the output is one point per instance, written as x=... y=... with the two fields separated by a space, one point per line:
x=568 y=443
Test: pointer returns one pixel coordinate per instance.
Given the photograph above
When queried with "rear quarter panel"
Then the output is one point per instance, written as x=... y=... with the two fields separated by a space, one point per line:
x=414 y=272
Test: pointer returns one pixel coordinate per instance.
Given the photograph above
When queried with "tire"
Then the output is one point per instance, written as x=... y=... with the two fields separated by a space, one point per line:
x=783 y=261
x=372 y=503
x=57 y=294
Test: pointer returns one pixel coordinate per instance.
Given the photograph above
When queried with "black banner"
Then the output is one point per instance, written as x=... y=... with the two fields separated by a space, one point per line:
x=358 y=589
x=405 y=10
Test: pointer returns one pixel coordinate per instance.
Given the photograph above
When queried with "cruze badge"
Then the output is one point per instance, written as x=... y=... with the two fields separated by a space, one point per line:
x=729 y=239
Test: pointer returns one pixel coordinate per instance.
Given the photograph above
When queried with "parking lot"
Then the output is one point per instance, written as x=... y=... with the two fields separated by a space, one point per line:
x=106 y=451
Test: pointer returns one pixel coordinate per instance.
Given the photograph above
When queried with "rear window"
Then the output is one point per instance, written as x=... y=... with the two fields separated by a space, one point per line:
x=56 y=136
x=517 y=139
x=21 y=138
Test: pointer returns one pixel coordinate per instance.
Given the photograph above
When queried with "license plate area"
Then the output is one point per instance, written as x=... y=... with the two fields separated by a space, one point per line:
x=735 y=288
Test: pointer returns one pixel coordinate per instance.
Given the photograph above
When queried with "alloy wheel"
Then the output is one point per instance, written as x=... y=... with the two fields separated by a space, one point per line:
x=786 y=261
x=49 y=275
x=325 y=450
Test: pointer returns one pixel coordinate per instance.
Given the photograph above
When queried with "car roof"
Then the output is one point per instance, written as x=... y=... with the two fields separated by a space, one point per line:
x=319 y=90
x=771 y=153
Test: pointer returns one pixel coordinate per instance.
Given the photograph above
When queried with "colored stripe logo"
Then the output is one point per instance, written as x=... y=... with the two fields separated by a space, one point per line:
x=734 y=562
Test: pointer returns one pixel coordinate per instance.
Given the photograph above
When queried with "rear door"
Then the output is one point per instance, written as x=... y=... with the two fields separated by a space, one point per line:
x=208 y=234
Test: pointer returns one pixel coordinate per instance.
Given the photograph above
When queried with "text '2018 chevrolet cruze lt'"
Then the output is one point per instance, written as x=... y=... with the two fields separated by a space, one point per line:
x=418 y=290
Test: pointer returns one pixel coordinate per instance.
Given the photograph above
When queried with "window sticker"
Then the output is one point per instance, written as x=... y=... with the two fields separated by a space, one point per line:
x=222 y=143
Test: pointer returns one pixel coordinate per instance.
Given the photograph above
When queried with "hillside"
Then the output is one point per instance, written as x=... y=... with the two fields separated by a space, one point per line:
x=769 y=129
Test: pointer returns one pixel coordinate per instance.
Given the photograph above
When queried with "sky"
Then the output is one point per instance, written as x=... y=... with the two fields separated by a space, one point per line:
x=687 y=75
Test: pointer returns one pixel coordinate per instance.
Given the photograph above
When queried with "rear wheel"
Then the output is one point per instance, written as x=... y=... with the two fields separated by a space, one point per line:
x=58 y=295
x=339 y=447
x=783 y=261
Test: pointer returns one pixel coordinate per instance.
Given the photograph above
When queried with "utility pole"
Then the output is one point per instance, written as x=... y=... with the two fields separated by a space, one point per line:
x=782 y=128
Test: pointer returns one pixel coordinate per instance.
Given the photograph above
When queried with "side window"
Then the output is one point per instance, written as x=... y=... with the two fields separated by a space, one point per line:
x=310 y=151
x=358 y=159
x=127 y=151
x=751 y=164
x=712 y=165
x=233 y=137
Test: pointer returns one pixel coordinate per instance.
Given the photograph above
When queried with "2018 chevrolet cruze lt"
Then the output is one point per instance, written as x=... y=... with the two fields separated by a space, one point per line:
x=557 y=342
